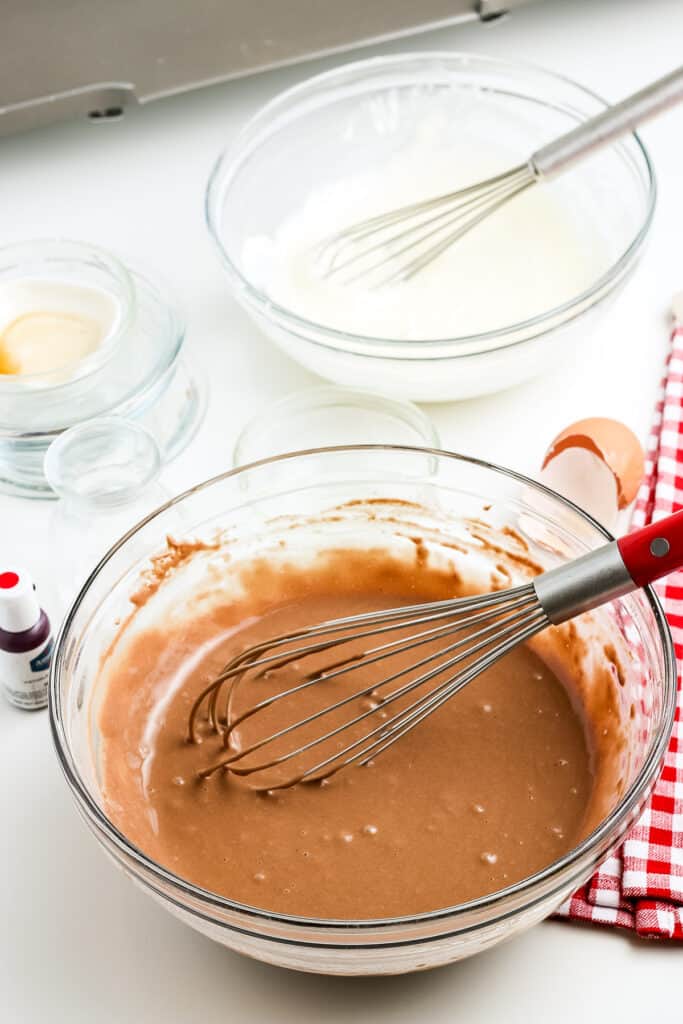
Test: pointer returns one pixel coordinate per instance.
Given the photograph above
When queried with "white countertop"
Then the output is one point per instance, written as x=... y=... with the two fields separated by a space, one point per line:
x=77 y=941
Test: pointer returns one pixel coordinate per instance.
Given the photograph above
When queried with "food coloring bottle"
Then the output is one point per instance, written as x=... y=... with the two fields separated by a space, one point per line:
x=25 y=642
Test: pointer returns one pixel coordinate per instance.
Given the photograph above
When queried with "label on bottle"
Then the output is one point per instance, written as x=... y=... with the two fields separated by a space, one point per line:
x=24 y=677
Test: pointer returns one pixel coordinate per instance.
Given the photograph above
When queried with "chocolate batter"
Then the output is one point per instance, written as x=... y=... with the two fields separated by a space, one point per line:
x=495 y=785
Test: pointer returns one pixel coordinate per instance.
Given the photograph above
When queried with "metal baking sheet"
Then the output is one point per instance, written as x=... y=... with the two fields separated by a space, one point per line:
x=62 y=59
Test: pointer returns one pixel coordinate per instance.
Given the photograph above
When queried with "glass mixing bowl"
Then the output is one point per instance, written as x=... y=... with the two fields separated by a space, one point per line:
x=356 y=119
x=333 y=416
x=380 y=495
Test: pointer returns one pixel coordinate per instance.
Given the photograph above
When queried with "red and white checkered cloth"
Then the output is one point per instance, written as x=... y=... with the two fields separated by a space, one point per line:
x=641 y=886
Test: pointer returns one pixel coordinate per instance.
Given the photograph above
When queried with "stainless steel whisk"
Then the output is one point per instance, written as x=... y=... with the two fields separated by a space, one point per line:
x=492 y=623
x=395 y=246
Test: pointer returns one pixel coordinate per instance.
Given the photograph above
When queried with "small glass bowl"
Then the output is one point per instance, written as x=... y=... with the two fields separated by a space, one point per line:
x=139 y=375
x=69 y=263
x=356 y=118
x=329 y=416
x=105 y=473
x=380 y=496
x=102 y=463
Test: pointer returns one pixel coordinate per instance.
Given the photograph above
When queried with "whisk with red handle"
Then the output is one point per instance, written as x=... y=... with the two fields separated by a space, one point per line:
x=461 y=638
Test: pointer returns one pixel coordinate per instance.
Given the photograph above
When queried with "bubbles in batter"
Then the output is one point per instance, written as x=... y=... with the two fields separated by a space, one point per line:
x=465 y=804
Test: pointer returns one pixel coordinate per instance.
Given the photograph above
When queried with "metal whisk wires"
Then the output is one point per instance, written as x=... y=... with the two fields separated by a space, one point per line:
x=492 y=624
x=467 y=636
x=395 y=246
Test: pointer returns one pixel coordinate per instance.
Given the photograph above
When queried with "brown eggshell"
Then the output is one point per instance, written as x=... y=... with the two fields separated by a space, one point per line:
x=611 y=441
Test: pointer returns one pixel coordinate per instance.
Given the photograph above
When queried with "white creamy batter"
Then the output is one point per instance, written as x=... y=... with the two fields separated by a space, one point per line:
x=529 y=257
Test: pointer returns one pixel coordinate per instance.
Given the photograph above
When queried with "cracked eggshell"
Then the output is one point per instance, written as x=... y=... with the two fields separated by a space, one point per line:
x=598 y=463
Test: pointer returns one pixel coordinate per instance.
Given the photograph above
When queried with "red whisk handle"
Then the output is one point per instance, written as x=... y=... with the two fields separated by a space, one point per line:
x=654 y=551
x=612 y=570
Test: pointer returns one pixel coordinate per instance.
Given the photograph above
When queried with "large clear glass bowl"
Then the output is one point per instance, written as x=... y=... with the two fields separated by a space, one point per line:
x=357 y=118
x=368 y=487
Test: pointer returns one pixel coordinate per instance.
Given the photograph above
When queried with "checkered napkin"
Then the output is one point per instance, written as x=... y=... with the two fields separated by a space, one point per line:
x=641 y=886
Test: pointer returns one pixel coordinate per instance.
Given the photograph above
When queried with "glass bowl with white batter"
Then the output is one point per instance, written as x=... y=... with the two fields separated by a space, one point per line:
x=469 y=515
x=516 y=295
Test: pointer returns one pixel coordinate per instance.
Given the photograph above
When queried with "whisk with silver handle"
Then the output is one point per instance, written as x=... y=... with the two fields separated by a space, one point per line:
x=397 y=245
x=465 y=636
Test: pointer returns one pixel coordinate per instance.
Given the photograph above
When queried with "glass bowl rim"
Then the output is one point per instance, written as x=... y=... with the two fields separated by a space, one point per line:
x=592 y=844
x=313 y=397
x=230 y=160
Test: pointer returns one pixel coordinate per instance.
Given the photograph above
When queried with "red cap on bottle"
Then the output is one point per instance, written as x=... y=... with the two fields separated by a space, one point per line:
x=19 y=607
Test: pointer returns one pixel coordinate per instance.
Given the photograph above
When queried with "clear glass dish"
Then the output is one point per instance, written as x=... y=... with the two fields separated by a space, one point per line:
x=140 y=374
x=105 y=473
x=291 y=495
x=67 y=263
x=357 y=117
x=326 y=416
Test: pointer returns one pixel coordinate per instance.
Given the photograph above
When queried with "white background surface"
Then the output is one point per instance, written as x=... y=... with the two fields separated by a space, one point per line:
x=79 y=943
